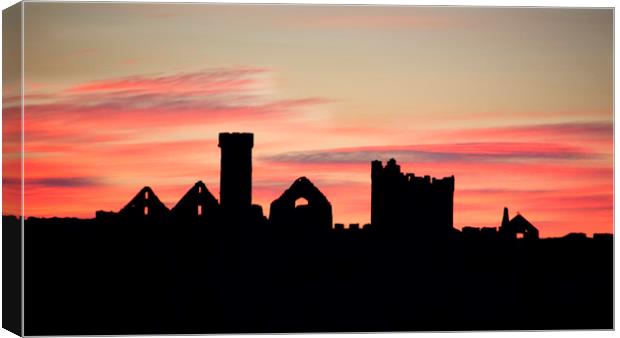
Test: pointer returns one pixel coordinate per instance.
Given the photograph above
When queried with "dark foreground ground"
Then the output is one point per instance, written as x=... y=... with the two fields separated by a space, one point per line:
x=96 y=277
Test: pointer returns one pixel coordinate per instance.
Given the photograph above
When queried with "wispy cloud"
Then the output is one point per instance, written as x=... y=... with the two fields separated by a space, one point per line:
x=60 y=182
x=460 y=152
x=571 y=130
x=65 y=181
x=111 y=106
x=203 y=82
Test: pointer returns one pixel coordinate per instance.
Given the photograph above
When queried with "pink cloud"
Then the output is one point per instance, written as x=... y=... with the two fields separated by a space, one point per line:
x=559 y=131
x=451 y=152
x=112 y=109
x=205 y=82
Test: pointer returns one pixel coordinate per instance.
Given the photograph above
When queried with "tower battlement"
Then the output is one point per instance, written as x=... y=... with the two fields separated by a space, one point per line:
x=406 y=202
x=237 y=140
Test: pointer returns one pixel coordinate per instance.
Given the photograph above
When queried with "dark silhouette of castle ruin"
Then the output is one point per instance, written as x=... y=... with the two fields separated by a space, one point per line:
x=209 y=266
x=401 y=203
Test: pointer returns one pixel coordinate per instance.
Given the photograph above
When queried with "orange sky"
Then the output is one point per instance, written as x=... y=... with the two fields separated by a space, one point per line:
x=516 y=103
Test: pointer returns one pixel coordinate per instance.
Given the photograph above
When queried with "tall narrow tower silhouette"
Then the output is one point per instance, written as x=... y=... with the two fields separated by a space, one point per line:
x=236 y=170
x=505 y=218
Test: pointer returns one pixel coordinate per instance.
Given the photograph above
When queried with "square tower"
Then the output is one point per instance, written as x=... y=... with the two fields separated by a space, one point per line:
x=236 y=170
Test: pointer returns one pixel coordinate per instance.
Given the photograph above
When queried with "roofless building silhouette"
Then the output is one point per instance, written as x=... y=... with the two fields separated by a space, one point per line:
x=316 y=215
x=517 y=227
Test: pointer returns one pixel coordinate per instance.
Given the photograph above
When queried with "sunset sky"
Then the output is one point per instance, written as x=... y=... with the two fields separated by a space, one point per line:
x=516 y=103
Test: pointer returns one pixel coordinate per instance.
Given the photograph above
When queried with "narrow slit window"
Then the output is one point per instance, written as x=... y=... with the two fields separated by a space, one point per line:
x=199 y=210
x=146 y=211
x=199 y=190
x=146 y=195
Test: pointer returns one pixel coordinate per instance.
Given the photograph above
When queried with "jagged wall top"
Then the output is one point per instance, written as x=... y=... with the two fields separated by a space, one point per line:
x=236 y=140
x=394 y=169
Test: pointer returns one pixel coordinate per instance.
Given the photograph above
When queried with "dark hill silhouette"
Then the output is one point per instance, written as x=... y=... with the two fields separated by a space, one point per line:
x=209 y=267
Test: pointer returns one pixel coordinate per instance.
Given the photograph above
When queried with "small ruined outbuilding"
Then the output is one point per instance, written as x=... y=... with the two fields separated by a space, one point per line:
x=517 y=227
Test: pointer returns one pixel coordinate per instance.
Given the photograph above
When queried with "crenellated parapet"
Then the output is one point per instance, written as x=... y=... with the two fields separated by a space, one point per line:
x=404 y=202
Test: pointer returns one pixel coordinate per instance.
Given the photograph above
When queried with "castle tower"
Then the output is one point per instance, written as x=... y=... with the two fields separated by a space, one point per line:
x=376 y=176
x=401 y=202
x=236 y=170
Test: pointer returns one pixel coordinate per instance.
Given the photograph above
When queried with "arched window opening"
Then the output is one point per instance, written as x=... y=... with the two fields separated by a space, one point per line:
x=199 y=210
x=301 y=202
x=146 y=195
x=146 y=211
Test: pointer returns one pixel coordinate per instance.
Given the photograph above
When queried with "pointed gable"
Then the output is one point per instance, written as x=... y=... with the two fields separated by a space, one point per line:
x=145 y=205
x=519 y=225
x=521 y=222
x=198 y=201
